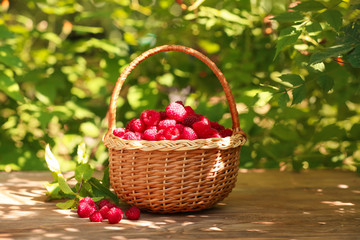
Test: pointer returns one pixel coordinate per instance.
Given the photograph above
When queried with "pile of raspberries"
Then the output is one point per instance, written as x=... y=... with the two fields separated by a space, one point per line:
x=176 y=122
x=105 y=210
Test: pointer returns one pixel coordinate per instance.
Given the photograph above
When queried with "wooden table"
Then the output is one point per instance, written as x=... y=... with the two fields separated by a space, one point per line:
x=265 y=204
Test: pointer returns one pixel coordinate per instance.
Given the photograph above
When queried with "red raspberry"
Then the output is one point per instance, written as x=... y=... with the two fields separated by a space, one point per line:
x=172 y=133
x=204 y=119
x=201 y=129
x=180 y=102
x=189 y=134
x=132 y=136
x=128 y=126
x=166 y=123
x=189 y=111
x=115 y=215
x=102 y=203
x=133 y=213
x=162 y=115
x=180 y=127
x=150 y=117
x=212 y=133
x=105 y=211
x=175 y=111
x=119 y=132
x=160 y=135
x=190 y=120
x=217 y=126
x=96 y=217
x=226 y=132
x=138 y=125
x=150 y=133
x=85 y=210
x=88 y=200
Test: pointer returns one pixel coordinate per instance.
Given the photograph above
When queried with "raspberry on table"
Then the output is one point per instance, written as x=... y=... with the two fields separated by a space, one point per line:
x=88 y=200
x=102 y=203
x=133 y=213
x=119 y=132
x=176 y=111
x=172 y=133
x=96 y=217
x=115 y=215
x=84 y=210
x=163 y=124
x=189 y=134
x=150 y=117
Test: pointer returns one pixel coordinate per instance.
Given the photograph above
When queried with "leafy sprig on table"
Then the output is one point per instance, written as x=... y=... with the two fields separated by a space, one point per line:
x=86 y=184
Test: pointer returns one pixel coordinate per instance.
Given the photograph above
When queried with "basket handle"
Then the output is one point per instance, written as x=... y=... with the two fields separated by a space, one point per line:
x=164 y=48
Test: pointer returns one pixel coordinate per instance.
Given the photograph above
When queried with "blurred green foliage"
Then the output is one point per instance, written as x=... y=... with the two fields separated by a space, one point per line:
x=295 y=77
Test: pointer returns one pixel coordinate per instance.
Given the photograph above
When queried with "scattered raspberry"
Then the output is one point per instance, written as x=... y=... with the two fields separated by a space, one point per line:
x=138 y=125
x=105 y=210
x=172 y=133
x=132 y=213
x=217 y=126
x=119 y=132
x=160 y=135
x=201 y=129
x=96 y=217
x=102 y=203
x=189 y=134
x=115 y=215
x=85 y=210
x=189 y=111
x=150 y=134
x=190 y=120
x=88 y=200
x=212 y=133
x=150 y=117
x=226 y=132
x=132 y=136
x=166 y=123
x=175 y=111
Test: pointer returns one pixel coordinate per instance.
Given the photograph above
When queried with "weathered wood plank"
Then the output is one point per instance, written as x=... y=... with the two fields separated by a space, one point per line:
x=265 y=204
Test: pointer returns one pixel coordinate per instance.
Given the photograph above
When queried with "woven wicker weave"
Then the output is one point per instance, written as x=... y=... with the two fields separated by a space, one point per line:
x=173 y=176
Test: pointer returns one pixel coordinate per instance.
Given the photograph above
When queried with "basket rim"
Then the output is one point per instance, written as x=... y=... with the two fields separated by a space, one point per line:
x=238 y=138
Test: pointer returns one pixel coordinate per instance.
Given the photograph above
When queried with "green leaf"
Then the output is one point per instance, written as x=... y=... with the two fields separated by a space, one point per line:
x=330 y=132
x=284 y=132
x=96 y=183
x=8 y=57
x=11 y=88
x=5 y=33
x=355 y=131
x=354 y=57
x=83 y=172
x=313 y=27
x=106 y=179
x=307 y=6
x=51 y=161
x=294 y=79
x=53 y=190
x=66 y=205
x=334 y=51
x=64 y=186
x=287 y=37
x=283 y=100
x=299 y=94
x=289 y=17
x=326 y=82
x=333 y=18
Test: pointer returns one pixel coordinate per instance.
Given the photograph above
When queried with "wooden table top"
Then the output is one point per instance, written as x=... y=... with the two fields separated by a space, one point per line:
x=265 y=204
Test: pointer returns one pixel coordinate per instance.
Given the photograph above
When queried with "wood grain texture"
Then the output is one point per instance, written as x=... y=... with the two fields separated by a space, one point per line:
x=263 y=205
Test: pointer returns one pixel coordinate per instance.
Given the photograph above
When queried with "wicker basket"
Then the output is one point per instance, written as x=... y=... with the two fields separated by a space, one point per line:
x=173 y=176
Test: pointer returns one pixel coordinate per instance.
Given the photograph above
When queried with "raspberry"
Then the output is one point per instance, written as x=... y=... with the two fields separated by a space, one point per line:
x=190 y=120
x=119 y=132
x=132 y=136
x=189 y=134
x=162 y=115
x=96 y=217
x=115 y=215
x=217 y=126
x=212 y=133
x=166 y=123
x=204 y=119
x=102 y=203
x=150 y=117
x=226 y=132
x=88 y=200
x=132 y=213
x=85 y=210
x=105 y=210
x=129 y=125
x=201 y=129
x=175 y=111
x=180 y=127
x=160 y=135
x=138 y=125
x=189 y=111
x=150 y=134
x=180 y=102
x=172 y=133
